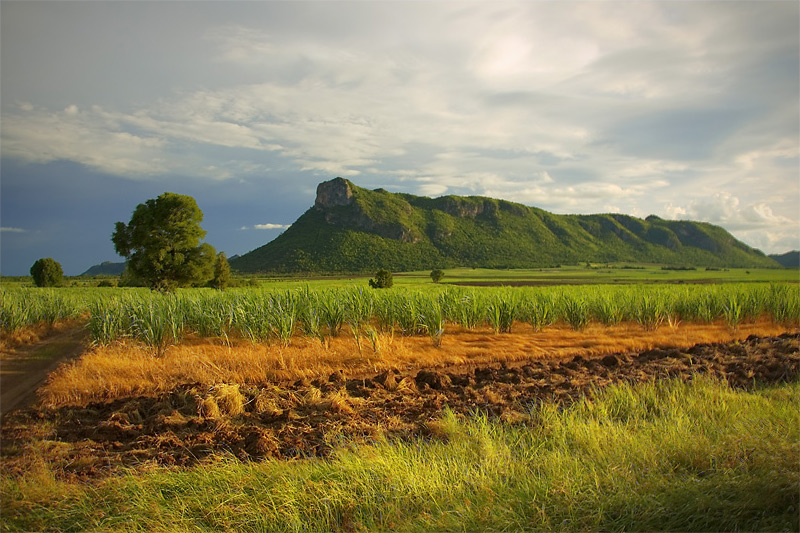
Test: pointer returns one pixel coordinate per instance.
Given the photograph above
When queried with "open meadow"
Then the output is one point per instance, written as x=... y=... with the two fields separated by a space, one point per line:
x=571 y=399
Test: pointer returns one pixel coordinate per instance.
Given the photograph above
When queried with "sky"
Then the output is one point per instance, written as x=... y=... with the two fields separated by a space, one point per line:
x=685 y=110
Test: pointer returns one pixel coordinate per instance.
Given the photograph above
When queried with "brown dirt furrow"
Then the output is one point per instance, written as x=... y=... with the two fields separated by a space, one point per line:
x=193 y=423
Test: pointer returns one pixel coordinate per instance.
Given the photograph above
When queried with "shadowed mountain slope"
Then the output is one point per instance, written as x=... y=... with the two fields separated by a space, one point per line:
x=788 y=260
x=106 y=268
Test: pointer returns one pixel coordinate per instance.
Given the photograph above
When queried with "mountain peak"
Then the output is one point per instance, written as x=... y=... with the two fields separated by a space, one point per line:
x=334 y=193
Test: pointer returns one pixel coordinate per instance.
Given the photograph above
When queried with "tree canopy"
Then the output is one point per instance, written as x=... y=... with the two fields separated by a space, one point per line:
x=47 y=272
x=162 y=243
x=222 y=272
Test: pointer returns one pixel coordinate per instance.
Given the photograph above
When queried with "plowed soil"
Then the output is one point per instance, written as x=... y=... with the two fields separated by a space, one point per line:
x=292 y=420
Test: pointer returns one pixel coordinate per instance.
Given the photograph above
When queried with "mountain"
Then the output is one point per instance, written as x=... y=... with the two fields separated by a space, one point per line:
x=789 y=259
x=360 y=230
x=106 y=268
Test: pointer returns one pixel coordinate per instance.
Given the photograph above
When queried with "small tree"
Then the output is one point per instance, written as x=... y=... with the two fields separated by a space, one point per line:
x=162 y=243
x=47 y=272
x=437 y=275
x=383 y=280
x=222 y=272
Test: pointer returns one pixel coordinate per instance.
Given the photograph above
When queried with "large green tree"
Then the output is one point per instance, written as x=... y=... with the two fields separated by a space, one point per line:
x=162 y=243
x=47 y=272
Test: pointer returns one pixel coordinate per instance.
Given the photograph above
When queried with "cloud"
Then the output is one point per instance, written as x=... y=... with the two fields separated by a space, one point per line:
x=579 y=107
x=432 y=189
x=135 y=145
x=727 y=210
x=548 y=83
x=13 y=230
x=37 y=135
x=753 y=222
x=581 y=197
x=271 y=226
x=266 y=226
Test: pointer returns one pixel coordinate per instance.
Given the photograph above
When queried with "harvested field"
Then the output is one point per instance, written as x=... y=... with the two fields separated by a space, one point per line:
x=129 y=369
x=192 y=423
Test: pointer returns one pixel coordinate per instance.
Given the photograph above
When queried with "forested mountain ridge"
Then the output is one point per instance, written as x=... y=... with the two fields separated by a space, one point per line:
x=352 y=229
x=788 y=260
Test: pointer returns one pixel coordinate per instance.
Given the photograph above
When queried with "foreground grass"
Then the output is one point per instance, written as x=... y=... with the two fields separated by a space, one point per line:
x=659 y=456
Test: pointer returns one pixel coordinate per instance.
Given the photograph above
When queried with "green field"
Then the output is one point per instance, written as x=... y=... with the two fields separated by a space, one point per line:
x=602 y=274
x=594 y=274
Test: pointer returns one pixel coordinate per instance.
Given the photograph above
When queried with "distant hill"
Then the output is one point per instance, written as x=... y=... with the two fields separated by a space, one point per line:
x=359 y=230
x=788 y=260
x=106 y=268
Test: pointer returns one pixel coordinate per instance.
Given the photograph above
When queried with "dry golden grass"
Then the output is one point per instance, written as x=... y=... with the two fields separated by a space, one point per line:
x=22 y=338
x=126 y=369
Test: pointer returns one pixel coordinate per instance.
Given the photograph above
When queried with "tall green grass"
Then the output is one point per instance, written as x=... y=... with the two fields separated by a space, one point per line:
x=265 y=316
x=667 y=456
x=21 y=308
x=502 y=310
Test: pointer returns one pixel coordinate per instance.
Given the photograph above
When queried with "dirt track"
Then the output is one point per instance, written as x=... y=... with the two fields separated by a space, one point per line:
x=309 y=418
x=23 y=370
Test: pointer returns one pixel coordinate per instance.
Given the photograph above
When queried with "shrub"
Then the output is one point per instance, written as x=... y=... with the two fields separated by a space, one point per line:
x=47 y=272
x=437 y=275
x=383 y=280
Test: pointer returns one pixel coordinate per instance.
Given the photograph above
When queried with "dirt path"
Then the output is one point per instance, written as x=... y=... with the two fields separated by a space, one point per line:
x=25 y=369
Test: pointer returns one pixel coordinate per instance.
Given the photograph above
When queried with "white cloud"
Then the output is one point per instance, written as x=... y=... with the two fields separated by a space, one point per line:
x=585 y=196
x=781 y=149
x=87 y=138
x=648 y=168
x=727 y=210
x=675 y=211
x=13 y=230
x=268 y=226
x=432 y=189
x=755 y=223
